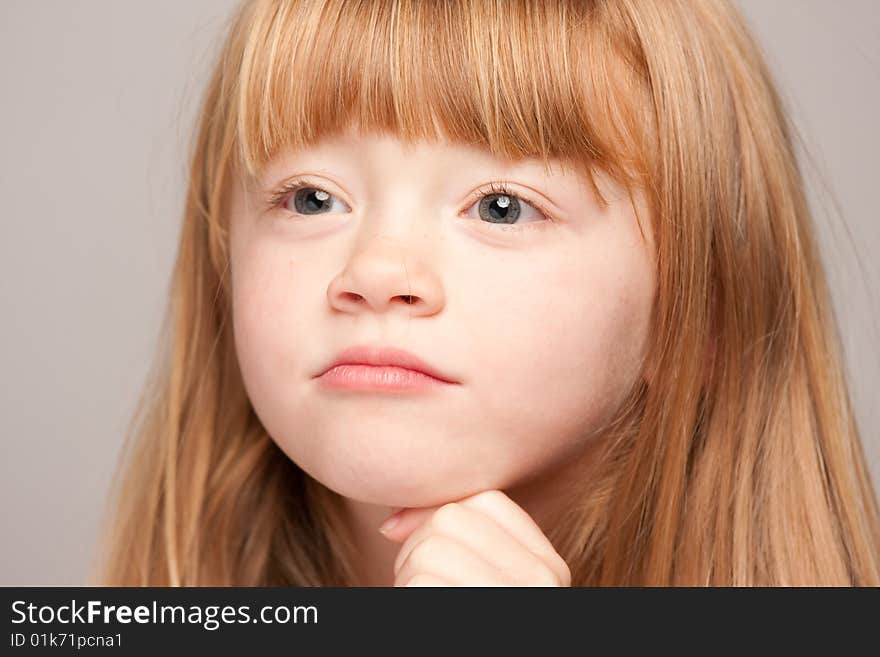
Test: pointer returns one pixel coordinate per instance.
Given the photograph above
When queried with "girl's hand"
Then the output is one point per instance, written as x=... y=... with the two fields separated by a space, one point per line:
x=482 y=540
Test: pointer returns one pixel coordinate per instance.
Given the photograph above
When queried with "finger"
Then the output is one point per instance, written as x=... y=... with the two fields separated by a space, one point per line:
x=407 y=520
x=488 y=540
x=510 y=516
x=504 y=511
x=416 y=536
x=445 y=557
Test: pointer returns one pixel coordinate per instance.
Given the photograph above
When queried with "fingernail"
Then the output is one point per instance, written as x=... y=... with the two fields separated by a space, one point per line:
x=389 y=524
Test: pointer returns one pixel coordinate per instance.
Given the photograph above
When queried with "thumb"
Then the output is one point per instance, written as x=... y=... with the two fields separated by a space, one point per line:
x=399 y=525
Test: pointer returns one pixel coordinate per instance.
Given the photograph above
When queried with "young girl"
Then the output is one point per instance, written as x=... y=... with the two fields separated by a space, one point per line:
x=541 y=277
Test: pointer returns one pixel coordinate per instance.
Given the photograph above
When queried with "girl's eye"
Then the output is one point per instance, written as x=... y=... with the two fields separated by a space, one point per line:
x=301 y=198
x=497 y=205
x=313 y=200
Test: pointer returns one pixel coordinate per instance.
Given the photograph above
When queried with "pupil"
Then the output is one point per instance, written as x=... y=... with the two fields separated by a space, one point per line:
x=498 y=210
x=310 y=201
x=501 y=208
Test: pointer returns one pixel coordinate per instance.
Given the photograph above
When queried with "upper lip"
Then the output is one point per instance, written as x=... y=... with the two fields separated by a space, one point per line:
x=385 y=355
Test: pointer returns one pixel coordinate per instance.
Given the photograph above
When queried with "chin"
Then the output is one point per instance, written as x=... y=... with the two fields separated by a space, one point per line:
x=413 y=487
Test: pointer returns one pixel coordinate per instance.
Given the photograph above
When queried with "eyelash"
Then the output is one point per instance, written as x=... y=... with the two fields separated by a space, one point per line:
x=278 y=197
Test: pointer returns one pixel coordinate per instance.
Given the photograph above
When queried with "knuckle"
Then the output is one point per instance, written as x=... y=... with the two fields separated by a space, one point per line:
x=493 y=494
x=446 y=517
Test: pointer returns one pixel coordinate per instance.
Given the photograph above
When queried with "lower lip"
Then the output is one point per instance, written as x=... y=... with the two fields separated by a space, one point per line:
x=375 y=377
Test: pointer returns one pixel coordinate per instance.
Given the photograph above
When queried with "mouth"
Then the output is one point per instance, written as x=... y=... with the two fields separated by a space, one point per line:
x=371 y=377
x=382 y=368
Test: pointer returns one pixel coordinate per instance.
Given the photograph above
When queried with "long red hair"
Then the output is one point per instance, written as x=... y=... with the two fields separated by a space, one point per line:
x=737 y=463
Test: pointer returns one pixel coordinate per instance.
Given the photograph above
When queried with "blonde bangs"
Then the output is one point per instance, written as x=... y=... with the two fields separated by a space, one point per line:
x=511 y=77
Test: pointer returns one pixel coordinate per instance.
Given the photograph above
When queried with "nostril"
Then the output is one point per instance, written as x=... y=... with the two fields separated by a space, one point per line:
x=407 y=298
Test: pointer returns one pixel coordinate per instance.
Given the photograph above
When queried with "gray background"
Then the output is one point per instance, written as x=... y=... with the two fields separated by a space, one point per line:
x=97 y=104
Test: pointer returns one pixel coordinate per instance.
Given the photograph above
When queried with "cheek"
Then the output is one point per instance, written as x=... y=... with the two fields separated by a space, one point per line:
x=560 y=344
x=271 y=320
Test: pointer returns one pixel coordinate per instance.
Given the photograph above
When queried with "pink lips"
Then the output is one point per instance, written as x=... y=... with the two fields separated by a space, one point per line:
x=368 y=367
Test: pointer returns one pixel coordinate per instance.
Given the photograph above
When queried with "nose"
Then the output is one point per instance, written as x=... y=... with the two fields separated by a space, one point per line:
x=383 y=274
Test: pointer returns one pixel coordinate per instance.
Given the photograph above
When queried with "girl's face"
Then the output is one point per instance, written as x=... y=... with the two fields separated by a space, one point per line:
x=541 y=316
